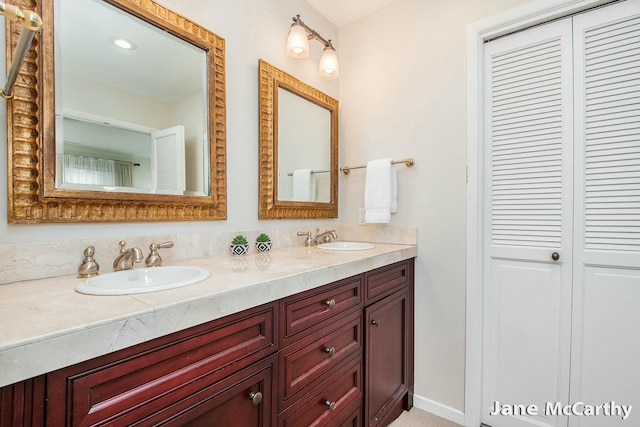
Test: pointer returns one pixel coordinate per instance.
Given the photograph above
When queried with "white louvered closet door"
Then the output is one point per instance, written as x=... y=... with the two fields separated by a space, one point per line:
x=168 y=161
x=606 y=334
x=562 y=174
x=527 y=294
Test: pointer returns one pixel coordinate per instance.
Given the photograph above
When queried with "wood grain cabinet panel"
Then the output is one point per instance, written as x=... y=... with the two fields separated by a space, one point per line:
x=384 y=281
x=332 y=402
x=244 y=399
x=22 y=404
x=387 y=360
x=137 y=382
x=310 y=311
x=305 y=363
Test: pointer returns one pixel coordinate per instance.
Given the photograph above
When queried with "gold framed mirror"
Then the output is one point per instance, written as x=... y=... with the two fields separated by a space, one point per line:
x=36 y=117
x=298 y=148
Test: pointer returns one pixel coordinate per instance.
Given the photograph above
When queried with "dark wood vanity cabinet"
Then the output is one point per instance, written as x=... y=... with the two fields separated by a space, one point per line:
x=338 y=355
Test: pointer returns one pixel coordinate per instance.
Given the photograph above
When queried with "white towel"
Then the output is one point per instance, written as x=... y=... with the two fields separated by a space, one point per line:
x=304 y=186
x=380 y=193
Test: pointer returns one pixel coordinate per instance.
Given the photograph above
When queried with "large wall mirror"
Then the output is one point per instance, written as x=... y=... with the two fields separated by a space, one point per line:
x=298 y=148
x=118 y=116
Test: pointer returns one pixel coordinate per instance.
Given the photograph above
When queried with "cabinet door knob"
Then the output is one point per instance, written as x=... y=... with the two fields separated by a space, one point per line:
x=330 y=303
x=330 y=405
x=256 y=398
x=330 y=351
x=375 y=323
x=555 y=256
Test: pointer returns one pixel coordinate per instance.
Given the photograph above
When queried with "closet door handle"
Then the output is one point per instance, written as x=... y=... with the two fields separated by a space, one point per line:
x=555 y=256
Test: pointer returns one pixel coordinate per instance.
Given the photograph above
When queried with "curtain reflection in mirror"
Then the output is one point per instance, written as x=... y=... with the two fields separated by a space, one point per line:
x=96 y=171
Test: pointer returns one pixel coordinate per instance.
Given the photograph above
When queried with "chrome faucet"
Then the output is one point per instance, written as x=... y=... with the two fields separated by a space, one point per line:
x=326 y=237
x=127 y=257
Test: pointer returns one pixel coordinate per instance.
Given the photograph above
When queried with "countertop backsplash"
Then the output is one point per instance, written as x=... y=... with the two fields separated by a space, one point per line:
x=31 y=261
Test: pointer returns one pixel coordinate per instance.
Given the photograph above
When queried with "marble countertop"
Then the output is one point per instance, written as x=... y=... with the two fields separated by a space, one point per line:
x=47 y=325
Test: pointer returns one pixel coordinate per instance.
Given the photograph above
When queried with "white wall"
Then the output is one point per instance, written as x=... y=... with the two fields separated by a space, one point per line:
x=402 y=94
x=252 y=29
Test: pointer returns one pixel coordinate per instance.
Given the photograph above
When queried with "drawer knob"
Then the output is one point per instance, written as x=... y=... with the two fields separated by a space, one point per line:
x=330 y=351
x=375 y=323
x=330 y=303
x=330 y=405
x=256 y=398
x=555 y=256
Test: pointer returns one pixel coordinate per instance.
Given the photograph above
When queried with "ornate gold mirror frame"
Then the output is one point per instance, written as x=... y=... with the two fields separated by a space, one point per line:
x=269 y=206
x=32 y=196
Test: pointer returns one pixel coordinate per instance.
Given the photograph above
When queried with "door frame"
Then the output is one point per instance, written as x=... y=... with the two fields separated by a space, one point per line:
x=478 y=33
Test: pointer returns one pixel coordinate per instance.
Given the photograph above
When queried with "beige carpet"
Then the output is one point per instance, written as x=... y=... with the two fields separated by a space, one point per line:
x=419 y=418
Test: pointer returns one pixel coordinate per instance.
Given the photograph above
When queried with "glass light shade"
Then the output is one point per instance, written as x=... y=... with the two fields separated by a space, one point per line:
x=329 y=63
x=297 y=43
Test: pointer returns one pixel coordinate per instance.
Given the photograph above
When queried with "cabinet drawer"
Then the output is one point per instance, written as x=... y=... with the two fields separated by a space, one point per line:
x=309 y=311
x=386 y=280
x=246 y=398
x=151 y=376
x=352 y=416
x=303 y=365
x=335 y=402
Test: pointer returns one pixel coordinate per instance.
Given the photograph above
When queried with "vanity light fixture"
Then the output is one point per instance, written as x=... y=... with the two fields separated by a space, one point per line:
x=298 y=47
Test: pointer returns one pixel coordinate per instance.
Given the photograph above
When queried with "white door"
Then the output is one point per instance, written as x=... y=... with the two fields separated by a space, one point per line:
x=167 y=161
x=527 y=293
x=561 y=337
x=605 y=366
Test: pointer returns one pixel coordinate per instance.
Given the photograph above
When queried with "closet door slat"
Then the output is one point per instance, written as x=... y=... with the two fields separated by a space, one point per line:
x=612 y=137
x=526 y=153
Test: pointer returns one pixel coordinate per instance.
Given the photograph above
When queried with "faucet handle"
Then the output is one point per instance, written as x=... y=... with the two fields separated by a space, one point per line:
x=167 y=244
x=122 y=244
x=308 y=241
x=89 y=266
x=154 y=259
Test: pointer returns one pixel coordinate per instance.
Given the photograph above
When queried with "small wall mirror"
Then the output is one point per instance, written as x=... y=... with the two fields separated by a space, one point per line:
x=298 y=148
x=116 y=131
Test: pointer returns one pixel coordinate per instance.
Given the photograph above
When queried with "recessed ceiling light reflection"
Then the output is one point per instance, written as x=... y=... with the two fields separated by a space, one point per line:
x=124 y=44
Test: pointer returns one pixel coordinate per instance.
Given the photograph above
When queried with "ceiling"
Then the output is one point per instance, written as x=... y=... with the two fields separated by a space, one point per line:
x=343 y=12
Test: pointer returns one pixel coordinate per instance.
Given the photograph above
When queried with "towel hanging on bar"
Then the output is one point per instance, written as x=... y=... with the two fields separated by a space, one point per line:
x=380 y=193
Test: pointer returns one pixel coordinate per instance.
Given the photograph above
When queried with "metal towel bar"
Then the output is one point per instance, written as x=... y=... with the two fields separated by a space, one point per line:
x=408 y=163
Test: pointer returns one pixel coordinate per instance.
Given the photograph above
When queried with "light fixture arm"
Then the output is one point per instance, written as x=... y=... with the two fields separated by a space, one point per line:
x=31 y=24
x=311 y=33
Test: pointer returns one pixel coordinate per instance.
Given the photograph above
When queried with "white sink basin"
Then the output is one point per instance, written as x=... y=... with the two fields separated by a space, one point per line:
x=142 y=280
x=346 y=246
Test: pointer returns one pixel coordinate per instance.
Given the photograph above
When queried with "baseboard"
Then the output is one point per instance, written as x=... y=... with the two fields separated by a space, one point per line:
x=443 y=411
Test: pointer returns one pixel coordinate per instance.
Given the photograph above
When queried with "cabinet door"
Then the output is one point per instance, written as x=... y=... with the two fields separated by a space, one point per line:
x=387 y=354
